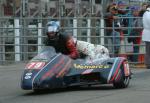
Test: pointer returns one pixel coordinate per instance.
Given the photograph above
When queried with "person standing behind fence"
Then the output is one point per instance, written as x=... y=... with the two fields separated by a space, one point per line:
x=146 y=35
x=135 y=32
x=112 y=21
x=143 y=9
x=122 y=7
x=123 y=12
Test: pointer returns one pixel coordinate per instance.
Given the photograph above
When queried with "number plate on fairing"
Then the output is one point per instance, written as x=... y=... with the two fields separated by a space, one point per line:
x=35 y=65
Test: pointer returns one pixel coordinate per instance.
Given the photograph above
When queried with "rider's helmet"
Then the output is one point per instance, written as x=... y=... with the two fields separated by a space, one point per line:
x=53 y=29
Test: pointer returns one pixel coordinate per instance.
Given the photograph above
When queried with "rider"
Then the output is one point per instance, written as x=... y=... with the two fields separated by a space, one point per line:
x=62 y=42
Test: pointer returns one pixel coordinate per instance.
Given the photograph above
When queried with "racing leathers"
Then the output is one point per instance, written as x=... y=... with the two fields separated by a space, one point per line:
x=64 y=44
x=92 y=51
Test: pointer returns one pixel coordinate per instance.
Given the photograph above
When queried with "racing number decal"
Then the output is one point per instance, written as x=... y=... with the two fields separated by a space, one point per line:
x=30 y=65
x=35 y=65
x=126 y=69
x=39 y=65
x=28 y=75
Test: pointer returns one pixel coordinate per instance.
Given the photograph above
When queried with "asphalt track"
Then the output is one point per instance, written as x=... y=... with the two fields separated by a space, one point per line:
x=10 y=91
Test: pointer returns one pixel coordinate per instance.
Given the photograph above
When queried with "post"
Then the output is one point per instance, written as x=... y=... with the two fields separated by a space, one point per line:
x=75 y=27
x=102 y=31
x=103 y=4
x=89 y=30
x=17 y=40
x=39 y=36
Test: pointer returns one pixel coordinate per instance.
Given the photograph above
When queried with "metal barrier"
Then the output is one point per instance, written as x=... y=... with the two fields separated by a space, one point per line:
x=22 y=38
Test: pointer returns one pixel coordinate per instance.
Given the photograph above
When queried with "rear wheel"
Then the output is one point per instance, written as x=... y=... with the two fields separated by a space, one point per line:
x=123 y=83
x=124 y=80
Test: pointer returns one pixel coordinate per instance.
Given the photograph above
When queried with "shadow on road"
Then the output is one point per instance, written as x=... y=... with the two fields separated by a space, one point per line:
x=70 y=89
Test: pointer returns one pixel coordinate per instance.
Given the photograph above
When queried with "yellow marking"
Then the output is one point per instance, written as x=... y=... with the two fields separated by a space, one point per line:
x=78 y=66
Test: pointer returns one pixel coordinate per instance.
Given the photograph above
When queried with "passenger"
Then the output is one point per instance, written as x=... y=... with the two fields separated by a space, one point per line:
x=92 y=51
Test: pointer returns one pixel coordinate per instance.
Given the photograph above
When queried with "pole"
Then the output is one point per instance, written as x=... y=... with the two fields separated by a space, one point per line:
x=39 y=36
x=75 y=26
x=89 y=30
x=17 y=40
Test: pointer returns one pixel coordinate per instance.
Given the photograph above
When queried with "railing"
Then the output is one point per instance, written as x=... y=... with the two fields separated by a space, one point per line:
x=22 y=38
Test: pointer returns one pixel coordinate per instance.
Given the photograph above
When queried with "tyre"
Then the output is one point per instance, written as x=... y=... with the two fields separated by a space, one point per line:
x=124 y=80
x=122 y=84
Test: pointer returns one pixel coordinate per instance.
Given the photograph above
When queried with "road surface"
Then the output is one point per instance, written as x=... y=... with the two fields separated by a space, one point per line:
x=10 y=91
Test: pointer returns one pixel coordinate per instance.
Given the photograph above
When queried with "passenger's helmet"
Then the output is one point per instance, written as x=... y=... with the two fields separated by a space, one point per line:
x=53 y=29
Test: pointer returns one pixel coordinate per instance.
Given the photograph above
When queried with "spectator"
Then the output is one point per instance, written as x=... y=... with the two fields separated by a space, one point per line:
x=135 y=32
x=146 y=35
x=112 y=21
x=123 y=12
x=143 y=9
x=122 y=7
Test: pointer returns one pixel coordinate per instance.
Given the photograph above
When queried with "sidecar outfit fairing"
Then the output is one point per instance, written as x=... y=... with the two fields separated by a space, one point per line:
x=50 y=70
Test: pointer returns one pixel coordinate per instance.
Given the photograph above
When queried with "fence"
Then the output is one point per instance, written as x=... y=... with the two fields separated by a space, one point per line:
x=22 y=38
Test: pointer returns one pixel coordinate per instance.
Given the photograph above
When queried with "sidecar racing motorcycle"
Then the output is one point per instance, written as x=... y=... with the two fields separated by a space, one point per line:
x=49 y=70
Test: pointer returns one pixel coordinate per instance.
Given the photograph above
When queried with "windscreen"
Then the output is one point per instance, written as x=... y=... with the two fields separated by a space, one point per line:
x=46 y=54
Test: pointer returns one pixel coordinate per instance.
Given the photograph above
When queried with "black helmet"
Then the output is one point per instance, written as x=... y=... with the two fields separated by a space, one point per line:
x=52 y=29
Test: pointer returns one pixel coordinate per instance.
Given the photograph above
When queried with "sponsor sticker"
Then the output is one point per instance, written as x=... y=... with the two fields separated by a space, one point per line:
x=80 y=66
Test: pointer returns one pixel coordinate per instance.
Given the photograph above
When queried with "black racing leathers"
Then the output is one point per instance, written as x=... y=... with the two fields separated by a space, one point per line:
x=64 y=43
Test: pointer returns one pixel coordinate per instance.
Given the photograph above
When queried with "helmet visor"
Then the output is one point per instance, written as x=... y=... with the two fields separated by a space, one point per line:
x=51 y=32
x=52 y=29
